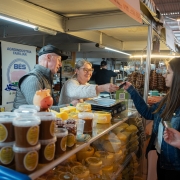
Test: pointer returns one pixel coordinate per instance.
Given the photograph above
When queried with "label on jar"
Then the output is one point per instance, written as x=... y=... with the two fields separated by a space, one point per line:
x=3 y=133
x=33 y=135
x=6 y=155
x=71 y=140
x=49 y=151
x=52 y=128
x=63 y=143
x=31 y=160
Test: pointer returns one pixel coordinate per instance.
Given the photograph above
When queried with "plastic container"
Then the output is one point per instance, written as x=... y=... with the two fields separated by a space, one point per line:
x=94 y=164
x=47 y=151
x=26 y=159
x=6 y=154
x=80 y=126
x=106 y=157
x=6 y=127
x=80 y=172
x=26 y=131
x=88 y=118
x=47 y=125
x=61 y=134
x=27 y=106
x=25 y=112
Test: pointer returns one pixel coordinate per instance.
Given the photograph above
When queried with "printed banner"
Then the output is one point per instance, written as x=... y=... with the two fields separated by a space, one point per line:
x=130 y=7
x=17 y=60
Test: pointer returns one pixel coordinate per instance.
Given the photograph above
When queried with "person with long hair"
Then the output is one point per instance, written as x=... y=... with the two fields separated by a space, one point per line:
x=168 y=109
x=78 y=89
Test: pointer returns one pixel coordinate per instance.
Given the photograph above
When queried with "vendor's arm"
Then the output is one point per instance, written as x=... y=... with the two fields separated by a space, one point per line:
x=139 y=102
x=106 y=88
x=76 y=91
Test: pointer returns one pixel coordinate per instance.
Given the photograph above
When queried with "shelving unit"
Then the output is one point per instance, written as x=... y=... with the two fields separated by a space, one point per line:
x=117 y=121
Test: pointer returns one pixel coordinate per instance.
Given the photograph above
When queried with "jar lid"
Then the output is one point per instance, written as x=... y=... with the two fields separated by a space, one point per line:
x=61 y=132
x=26 y=121
x=85 y=115
x=48 y=141
x=46 y=116
x=6 y=117
x=6 y=144
x=24 y=150
x=28 y=106
x=25 y=112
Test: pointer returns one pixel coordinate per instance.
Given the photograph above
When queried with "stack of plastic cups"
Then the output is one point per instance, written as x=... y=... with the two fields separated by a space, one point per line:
x=47 y=137
x=6 y=138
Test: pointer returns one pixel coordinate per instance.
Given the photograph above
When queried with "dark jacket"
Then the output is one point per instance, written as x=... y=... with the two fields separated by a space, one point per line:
x=103 y=76
x=170 y=156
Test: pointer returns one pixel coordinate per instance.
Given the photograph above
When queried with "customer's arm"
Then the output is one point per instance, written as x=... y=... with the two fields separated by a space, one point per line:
x=139 y=102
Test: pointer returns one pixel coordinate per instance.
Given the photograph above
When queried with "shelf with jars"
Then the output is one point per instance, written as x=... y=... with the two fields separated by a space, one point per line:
x=107 y=146
x=101 y=133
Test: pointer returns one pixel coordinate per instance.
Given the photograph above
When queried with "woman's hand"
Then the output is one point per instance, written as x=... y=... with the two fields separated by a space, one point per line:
x=172 y=137
x=107 y=88
x=126 y=86
x=74 y=102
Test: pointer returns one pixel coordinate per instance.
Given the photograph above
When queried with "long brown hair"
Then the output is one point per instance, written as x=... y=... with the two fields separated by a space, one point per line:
x=172 y=99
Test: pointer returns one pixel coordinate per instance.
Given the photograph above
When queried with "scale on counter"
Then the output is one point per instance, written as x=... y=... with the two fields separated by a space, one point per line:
x=109 y=105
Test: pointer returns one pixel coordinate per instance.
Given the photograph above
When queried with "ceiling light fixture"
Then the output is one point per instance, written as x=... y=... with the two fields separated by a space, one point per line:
x=17 y=22
x=104 y=47
x=154 y=56
x=45 y=30
x=36 y=28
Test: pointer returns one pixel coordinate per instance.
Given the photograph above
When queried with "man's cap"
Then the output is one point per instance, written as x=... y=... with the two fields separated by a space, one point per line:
x=103 y=63
x=51 y=49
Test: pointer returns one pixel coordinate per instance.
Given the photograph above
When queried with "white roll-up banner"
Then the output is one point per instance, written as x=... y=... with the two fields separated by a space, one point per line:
x=17 y=60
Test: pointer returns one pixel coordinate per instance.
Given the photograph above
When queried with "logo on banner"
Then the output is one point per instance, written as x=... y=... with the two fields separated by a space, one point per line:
x=16 y=69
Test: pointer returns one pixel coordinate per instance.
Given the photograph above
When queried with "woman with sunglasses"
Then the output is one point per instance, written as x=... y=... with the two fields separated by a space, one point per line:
x=78 y=88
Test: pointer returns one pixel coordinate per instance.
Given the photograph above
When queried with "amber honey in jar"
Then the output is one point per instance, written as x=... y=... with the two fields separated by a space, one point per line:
x=47 y=125
x=70 y=125
x=61 y=135
x=26 y=159
x=88 y=118
x=26 y=131
x=6 y=127
x=47 y=151
x=6 y=154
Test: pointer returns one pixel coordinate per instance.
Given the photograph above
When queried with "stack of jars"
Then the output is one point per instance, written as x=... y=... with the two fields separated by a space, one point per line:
x=27 y=146
x=86 y=114
x=7 y=138
x=47 y=136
